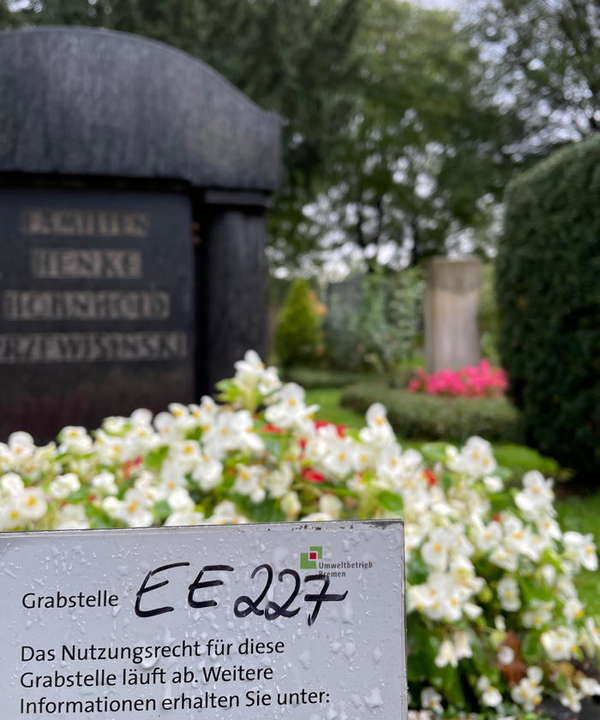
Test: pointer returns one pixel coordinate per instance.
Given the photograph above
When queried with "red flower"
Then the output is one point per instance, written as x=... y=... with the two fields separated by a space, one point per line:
x=276 y=430
x=312 y=475
x=129 y=465
x=430 y=476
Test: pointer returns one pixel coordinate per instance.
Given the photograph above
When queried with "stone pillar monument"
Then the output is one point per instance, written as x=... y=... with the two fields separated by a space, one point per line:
x=451 y=305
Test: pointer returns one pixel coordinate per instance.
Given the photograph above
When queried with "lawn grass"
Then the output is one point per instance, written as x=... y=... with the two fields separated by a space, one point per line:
x=580 y=513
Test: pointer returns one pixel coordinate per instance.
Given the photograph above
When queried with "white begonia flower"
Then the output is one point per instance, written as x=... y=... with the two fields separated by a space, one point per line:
x=278 y=481
x=339 y=460
x=378 y=432
x=226 y=513
x=491 y=697
x=431 y=700
x=63 y=486
x=133 y=510
x=559 y=644
x=21 y=447
x=142 y=417
x=435 y=551
x=508 y=593
x=185 y=517
x=537 y=494
x=208 y=472
x=114 y=425
x=251 y=374
x=581 y=549
x=572 y=698
x=486 y=537
x=12 y=484
x=446 y=655
x=74 y=440
x=250 y=481
x=289 y=410
x=205 y=414
x=105 y=482
x=593 y=632
x=291 y=505
x=589 y=686
x=31 y=504
x=185 y=454
x=565 y=587
x=331 y=505
x=548 y=527
x=548 y=573
x=528 y=692
x=72 y=517
x=500 y=623
x=493 y=484
x=539 y=614
x=232 y=431
x=475 y=459
x=462 y=644
x=180 y=500
x=573 y=609
x=506 y=655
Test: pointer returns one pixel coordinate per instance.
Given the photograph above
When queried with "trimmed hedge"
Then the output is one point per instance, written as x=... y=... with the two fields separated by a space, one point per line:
x=548 y=288
x=436 y=417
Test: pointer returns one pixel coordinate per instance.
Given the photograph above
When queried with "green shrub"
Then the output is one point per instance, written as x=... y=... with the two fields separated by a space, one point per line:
x=548 y=287
x=435 y=417
x=373 y=321
x=298 y=334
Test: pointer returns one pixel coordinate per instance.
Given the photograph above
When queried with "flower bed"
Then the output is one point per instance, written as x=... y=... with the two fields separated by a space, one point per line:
x=494 y=622
x=480 y=380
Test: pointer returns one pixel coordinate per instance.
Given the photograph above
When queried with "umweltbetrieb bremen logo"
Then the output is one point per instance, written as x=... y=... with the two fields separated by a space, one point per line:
x=314 y=560
x=308 y=560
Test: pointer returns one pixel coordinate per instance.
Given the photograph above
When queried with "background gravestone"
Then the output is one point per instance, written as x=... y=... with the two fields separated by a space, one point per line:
x=133 y=186
x=451 y=307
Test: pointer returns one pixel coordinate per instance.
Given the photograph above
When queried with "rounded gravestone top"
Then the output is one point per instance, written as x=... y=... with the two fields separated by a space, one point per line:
x=82 y=101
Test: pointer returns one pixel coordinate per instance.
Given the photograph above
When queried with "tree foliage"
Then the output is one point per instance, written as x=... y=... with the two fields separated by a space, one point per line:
x=425 y=153
x=547 y=59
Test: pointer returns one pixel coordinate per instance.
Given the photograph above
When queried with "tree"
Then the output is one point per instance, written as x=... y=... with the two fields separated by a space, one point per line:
x=546 y=55
x=425 y=157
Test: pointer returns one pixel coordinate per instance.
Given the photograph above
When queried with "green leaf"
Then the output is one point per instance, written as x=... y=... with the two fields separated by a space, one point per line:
x=391 y=501
x=155 y=458
x=265 y=511
x=416 y=570
x=161 y=510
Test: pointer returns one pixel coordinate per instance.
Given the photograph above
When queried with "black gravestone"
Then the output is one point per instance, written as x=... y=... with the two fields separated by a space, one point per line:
x=112 y=149
x=97 y=305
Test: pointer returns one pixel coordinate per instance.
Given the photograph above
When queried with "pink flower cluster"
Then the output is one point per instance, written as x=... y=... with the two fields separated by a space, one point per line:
x=473 y=380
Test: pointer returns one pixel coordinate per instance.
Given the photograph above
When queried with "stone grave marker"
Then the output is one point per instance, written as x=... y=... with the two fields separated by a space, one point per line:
x=451 y=306
x=133 y=187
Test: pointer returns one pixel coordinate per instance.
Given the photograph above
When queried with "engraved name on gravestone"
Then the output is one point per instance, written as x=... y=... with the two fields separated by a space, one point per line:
x=247 y=622
x=96 y=305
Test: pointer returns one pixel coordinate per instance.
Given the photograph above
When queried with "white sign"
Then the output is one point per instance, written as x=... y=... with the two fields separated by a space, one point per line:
x=293 y=620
